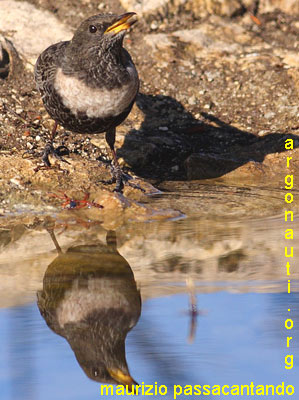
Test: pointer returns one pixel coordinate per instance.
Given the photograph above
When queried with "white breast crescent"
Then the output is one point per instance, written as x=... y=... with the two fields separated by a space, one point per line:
x=95 y=103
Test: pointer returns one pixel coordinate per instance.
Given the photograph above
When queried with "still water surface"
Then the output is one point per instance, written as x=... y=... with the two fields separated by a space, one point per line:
x=187 y=302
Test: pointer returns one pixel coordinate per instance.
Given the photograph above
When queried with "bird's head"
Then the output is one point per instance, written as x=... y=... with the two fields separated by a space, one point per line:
x=103 y=31
x=114 y=376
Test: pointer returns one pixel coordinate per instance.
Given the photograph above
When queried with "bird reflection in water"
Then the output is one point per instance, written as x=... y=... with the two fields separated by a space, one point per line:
x=90 y=298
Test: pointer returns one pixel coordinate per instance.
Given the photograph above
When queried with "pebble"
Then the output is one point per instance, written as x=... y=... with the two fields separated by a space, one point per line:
x=192 y=100
x=262 y=133
x=210 y=76
x=269 y=115
x=16 y=181
x=19 y=110
x=154 y=25
x=37 y=138
x=163 y=128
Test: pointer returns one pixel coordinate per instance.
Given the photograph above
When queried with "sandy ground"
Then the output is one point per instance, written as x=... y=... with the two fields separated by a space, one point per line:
x=218 y=99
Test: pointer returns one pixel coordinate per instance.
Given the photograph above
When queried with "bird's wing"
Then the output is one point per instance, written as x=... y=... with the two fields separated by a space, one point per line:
x=46 y=66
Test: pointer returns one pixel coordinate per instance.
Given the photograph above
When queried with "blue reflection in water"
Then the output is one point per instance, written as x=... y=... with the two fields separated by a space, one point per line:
x=18 y=358
x=240 y=338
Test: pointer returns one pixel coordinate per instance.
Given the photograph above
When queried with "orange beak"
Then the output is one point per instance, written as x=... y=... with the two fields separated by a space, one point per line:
x=123 y=378
x=122 y=23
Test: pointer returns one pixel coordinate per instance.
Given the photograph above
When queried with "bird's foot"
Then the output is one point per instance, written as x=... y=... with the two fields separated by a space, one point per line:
x=57 y=153
x=121 y=179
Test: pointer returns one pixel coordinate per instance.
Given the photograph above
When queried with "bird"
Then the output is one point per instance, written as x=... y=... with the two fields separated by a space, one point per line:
x=89 y=84
x=90 y=298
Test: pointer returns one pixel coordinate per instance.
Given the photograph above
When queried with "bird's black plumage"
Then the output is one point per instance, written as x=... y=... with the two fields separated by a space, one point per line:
x=89 y=84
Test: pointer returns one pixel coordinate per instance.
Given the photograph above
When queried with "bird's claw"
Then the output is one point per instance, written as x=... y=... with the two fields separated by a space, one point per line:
x=49 y=149
x=121 y=179
x=126 y=180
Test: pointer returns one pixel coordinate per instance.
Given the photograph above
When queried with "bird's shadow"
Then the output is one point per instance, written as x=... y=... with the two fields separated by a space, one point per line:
x=170 y=134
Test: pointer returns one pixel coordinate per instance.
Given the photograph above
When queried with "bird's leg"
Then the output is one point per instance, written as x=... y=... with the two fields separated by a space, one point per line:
x=53 y=237
x=117 y=172
x=119 y=176
x=49 y=149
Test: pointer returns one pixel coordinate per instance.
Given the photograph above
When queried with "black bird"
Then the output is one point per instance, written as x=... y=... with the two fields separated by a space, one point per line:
x=89 y=84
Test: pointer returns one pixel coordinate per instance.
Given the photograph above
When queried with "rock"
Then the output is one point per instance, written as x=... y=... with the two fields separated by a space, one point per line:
x=10 y=62
x=225 y=8
x=207 y=166
x=138 y=154
x=201 y=8
x=4 y=60
x=241 y=168
x=290 y=58
x=17 y=182
x=200 y=38
x=118 y=210
x=192 y=100
x=207 y=38
x=31 y=30
x=151 y=7
x=287 y=6
x=158 y=41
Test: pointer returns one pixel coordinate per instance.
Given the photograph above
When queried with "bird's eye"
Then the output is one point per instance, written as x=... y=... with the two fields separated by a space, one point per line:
x=95 y=372
x=92 y=28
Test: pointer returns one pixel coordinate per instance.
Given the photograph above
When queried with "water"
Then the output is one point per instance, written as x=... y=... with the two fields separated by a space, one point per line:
x=239 y=339
x=214 y=302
